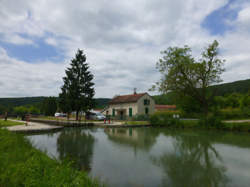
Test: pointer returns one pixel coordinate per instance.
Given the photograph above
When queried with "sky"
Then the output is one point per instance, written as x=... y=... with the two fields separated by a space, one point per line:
x=122 y=41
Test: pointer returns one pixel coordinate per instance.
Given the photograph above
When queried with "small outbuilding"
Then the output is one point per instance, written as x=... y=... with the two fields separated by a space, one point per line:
x=128 y=106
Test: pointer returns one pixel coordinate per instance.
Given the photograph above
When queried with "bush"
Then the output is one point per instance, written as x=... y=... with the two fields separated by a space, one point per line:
x=234 y=113
x=243 y=127
x=165 y=118
x=141 y=117
x=211 y=122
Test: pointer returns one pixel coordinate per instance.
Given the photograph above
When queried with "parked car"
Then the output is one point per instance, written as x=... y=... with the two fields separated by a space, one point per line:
x=96 y=116
x=57 y=114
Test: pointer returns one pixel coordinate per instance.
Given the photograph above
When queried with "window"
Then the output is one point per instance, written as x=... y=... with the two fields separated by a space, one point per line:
x=130 y=112
x=146 y=102
x=146 y=110
x=113 y=112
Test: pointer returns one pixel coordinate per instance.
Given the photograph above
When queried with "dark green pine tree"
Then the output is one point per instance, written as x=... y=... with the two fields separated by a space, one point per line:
x=78 y=91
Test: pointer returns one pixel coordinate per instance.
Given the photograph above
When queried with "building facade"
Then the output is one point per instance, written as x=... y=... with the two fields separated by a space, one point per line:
x=128 y=106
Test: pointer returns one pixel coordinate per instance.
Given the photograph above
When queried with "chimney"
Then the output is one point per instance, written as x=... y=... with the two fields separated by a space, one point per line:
x=134 y=91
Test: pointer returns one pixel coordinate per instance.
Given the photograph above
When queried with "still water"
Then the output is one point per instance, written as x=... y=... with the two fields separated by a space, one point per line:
x=153 y=156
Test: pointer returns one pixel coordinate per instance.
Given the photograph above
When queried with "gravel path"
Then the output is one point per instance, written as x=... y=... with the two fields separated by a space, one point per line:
x=32 y=127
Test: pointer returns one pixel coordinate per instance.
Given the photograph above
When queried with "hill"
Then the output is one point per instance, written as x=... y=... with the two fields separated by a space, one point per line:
x=242 y=87
x=21 y=101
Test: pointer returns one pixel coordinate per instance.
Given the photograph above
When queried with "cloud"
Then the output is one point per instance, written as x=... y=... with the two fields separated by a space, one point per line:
x=23 y=79
x=122 y=41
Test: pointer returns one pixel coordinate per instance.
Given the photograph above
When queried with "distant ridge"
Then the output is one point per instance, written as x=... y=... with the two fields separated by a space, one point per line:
x=21 y=101
x=242 y=86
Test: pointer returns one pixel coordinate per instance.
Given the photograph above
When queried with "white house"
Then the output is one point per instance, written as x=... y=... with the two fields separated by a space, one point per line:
x=127 y=106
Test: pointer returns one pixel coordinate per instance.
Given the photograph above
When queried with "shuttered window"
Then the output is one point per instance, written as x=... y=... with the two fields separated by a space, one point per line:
x=130 y=112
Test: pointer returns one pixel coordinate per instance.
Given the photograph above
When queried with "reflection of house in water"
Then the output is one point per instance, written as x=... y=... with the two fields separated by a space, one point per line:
x=136 y=138
x=126 y=133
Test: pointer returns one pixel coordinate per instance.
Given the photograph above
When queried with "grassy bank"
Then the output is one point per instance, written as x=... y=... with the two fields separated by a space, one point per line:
x=22 y=165
x=166 y=119
x=8 y=123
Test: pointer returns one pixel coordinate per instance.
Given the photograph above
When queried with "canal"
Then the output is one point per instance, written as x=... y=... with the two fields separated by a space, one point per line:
x=152 y=156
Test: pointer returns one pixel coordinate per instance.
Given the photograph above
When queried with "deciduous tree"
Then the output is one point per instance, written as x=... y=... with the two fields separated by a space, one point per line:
x=184 y=75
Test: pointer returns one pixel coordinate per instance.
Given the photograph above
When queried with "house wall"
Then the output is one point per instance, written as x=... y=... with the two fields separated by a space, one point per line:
x=141 y=106
x=123 y=106
x=138 y=108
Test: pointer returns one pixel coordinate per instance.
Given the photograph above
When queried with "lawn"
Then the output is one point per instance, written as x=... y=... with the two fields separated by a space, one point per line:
x=8 y=123
x=23 y=165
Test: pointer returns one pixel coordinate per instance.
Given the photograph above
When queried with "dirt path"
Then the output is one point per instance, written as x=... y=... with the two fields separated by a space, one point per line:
x=32 y=127
x=237 y=121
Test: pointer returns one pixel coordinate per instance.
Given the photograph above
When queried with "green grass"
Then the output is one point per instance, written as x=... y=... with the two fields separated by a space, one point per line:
x=23 y=165
x=241 y=127
x=8 y=123
x=136 y=123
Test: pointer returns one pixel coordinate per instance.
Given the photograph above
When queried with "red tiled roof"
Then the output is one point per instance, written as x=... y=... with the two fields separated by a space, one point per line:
x=165 y=107
x=127 y=98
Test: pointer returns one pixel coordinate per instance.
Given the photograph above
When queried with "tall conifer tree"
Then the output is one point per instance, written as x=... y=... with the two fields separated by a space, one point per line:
x=78 y=91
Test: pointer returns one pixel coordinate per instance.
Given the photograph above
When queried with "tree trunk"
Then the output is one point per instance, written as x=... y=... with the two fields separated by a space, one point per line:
x=68 y=116
x=77 y=114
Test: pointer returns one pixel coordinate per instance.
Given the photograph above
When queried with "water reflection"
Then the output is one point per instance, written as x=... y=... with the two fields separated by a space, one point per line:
x=153 y=156
x=194 y=162
x=132 y=137
x=76 y=145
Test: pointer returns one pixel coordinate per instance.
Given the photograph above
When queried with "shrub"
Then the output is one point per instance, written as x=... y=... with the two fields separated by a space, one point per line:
x=211 y=122
x=141 y=117
x=165 y=118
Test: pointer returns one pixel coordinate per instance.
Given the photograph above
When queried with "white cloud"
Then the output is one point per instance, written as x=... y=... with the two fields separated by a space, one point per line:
x=122 y=40
x=19 y=78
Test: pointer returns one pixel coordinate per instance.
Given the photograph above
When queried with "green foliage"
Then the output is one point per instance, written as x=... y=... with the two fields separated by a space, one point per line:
x=21 y=101
x=241 y=87
x=182 y=74
x=77 y=92
x=242 y=127
x=49 y=106
x=141 y=117
x=234 y=113
x=165 y=99
x=22 y=165
x=165 y=118
x=21 y=110
x=211 y=122
x=101 y=102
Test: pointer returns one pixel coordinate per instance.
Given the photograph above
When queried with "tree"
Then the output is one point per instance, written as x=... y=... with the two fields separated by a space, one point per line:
x=21 y=110
x=77 y=92
x=49 y=106
x=184 y=75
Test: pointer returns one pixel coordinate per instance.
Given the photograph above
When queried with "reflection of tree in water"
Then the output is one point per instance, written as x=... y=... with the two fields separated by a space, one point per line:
x=194 y=162
x=76 y=145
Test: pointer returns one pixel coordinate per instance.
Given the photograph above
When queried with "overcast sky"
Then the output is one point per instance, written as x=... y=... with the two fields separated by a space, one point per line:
x=121 y=39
